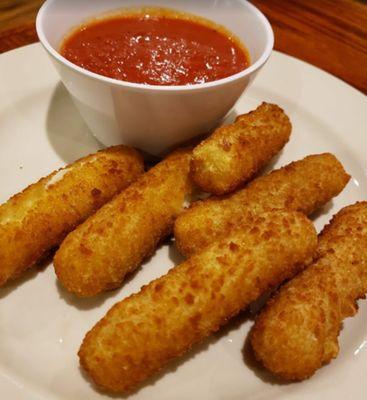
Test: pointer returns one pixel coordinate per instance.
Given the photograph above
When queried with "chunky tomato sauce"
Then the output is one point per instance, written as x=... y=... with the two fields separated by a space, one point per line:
x=156 y=49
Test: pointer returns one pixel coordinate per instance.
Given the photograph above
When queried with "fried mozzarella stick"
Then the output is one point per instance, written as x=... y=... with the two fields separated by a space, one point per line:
x=298 y=330
x=303 y=186
x=139 y=335
x=235 y=152
x=37 y=219
x=114 y=241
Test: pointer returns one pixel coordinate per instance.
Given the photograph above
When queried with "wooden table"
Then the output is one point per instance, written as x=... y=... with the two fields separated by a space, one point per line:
x=331 y=34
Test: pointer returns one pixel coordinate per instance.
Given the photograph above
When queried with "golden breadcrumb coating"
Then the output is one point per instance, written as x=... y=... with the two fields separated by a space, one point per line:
x=142 y=333
x=37 y=219
x=303 y=185
x=113 y=242
x=234 y=153
x=298 y=330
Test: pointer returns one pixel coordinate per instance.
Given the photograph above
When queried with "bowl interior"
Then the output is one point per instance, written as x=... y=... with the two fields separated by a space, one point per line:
x=57 y=17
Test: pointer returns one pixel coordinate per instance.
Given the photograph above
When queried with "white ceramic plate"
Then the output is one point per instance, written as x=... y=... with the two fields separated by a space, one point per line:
x=41 y=326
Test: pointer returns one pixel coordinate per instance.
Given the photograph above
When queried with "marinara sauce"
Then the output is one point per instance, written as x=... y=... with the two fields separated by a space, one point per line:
x=156 y=47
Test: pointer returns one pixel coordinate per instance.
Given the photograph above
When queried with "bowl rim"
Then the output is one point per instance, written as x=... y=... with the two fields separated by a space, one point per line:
x=166 y=88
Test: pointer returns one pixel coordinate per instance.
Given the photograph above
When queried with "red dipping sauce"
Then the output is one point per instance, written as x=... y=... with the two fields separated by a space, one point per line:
x=156 y=47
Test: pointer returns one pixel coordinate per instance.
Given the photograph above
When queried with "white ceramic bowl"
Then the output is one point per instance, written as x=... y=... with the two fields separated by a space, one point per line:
x=153 y=118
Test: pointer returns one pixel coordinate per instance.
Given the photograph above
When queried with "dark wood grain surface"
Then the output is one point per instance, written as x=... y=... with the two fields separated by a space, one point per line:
x=331 y=34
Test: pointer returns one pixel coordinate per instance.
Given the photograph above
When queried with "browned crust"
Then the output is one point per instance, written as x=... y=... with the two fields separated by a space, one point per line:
x=298 y=330
x=114 y=241
x=141 y=334
x=234 y=153
x=303 y=185
x=37 y=219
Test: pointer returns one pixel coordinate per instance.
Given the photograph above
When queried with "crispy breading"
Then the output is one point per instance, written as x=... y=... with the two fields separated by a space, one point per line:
x=114 y=241
x=298 y=330
x=142 y=333
x=303 y=185
x=234 y=153
x=37 y=219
